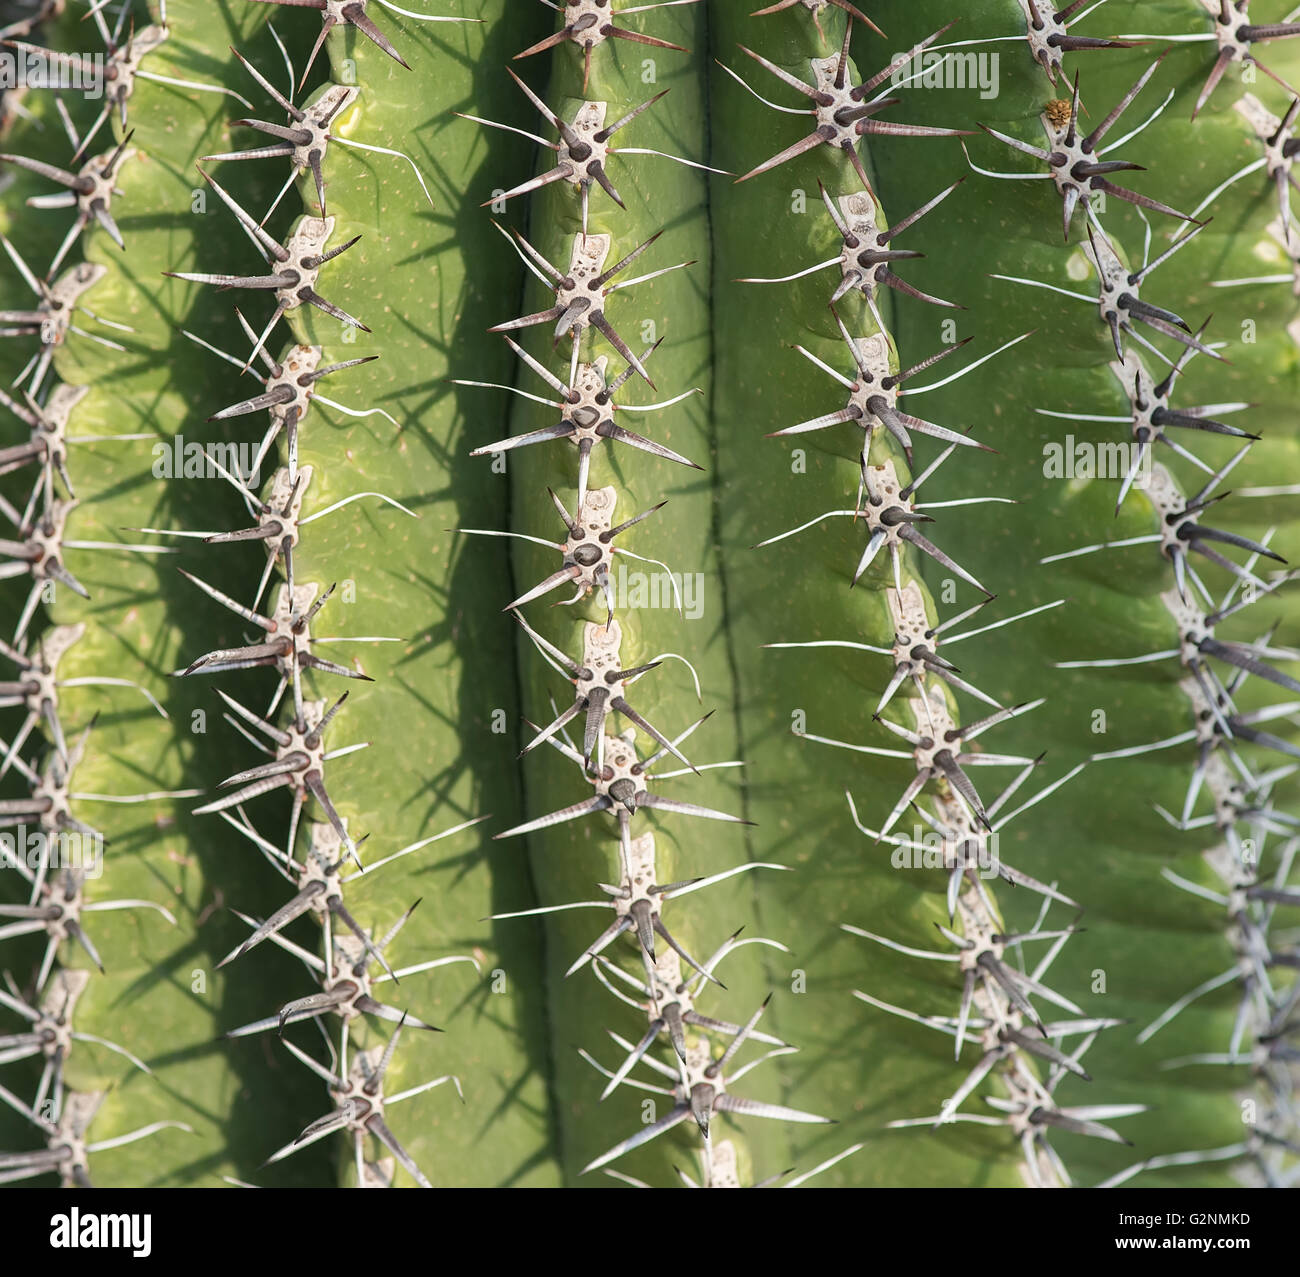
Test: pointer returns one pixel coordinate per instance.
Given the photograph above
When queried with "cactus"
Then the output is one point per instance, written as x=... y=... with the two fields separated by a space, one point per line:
x=587 y=493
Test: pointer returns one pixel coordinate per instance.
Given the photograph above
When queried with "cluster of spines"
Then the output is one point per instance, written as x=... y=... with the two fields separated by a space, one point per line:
x=996 y=1012
x=1215 y=669
x=1279 y=145
x=58 y=905
x=354 y=962
x=698 y=1072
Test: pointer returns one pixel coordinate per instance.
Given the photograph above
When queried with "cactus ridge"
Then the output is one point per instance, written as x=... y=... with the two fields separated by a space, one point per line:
x=297 y=751
x=996 y=1011
x=697 y=1077
x=59 y=904
x=1216 y=668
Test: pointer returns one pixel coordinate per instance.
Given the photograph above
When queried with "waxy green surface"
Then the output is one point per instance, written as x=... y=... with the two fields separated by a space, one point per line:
x=1145 y=943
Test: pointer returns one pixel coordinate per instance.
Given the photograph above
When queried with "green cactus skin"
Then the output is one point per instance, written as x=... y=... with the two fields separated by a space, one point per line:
x=451 y=703
x=569 y=859
x=773 y=228
x=1152 y=942
x=392 y=809
x=456 y=663
x=146 y=1001
x=797 y=788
